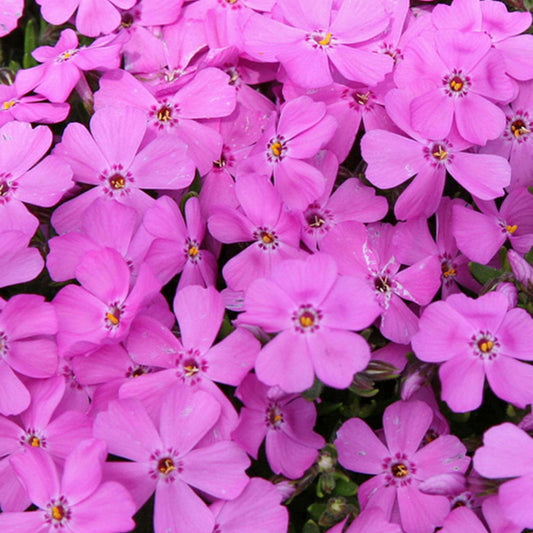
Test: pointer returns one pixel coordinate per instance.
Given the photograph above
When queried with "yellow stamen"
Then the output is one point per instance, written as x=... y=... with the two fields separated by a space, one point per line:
x=440 y=154
x=486 y=346
x=112 y=318
x=326 y=40
x=511 y=229
x=449 y=273
x=191 y=369
x=58 y=512
x=166 y=466
x=193 y=251
x=362 y=99
x=275 y=148
x=456 y=85
x=399 y=470
x=306 y=321
x=277 y=418
x=267 y=238
x=35 y=442
x=518 y=128
x=117 y=181
x=8 y=105
x=164 y=114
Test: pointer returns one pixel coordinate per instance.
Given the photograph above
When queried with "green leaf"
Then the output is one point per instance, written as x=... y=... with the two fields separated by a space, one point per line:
x=529 y=256
x=316 y=510
x=346 y=488
x=311 y=527
x=483 y=273
x=30 y=44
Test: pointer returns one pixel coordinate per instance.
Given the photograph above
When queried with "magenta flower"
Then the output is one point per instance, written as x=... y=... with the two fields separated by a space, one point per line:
x=27 y=324
x=63 y=65
x=318 y=42
x=14 y=105
x=102 y=309
x=480 y=235
x=18 y=262
x=401 y=464
x=262 y=218
x=507 y=452
x=93 y=17
x=368 y=521
x=76 y=501
x=11 y=12
x=303 y=128
x=475 y=339
x=393 y=158
x=26 y=176
x=256 y=510
x=456 y=77
x=170 y=458
x=315 y=312
x=115 y=158
x=284 y=421
x=176 y=111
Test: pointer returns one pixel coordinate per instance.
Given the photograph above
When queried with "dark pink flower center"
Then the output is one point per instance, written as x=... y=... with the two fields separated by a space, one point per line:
x=165 y=465
x=117 y=181
x=456 y=83
x=399 y=470
x=274 y=416
x=58 y=512
x=485 y=345
x=307 y=318
x=113 y=316
x=276 y=149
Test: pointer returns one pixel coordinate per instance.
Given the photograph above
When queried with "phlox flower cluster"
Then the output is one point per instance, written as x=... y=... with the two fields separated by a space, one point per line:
x=266 y=266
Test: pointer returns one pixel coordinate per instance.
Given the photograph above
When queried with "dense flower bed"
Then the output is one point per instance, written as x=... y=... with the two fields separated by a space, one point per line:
x=266 y=266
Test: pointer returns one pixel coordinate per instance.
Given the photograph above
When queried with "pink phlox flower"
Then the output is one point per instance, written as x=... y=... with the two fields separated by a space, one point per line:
x=474 y=339
x=516 y=142
x=167 y=456
x=314 y=311
x=502 y=26
x=197 y=361
x=393 y=158
x=240 y=131
x=401 y=464
x=256 y=510
x=25 y=176
x=144 y=51
x=349 y=105
x=120 y=162
x=93 y=17
x=205 y=95
x=101 y=310
x=178 y=244
x=284 y=421
x=105 y=223
x=507 y=453
x=27 y=347
x=77 y=500
x=479 y=235
x=11 y=12
x=39 y=426
x=263 y=219
x=351 y=200
x=372 y=261
x=63 y=64
x=414 y=242
x=454 y=78
x=301 y=131
x=18 y=262
x=15 y=105
x=317 y=44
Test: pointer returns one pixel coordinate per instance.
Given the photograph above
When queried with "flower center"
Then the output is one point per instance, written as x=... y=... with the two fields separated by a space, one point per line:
x=323 y=40
x=165 y=465
x=127 y=20
x=4 y=188
x=399 y=470
x=117 y=181
x=112 y=316
x=485 y=345
x=58 y=512
x=274 y=416
x=220 y=163
x=519 y=128
x=192 y=251
x=362 y=98
x=191 y=368
x=456 y=84
x=276 y=149
x=307 y=318
x=511 y=229
x=439 y=153
x=447 y=269
x=315 y=220
x=266 y=237
x=382 y=284
x=8 y=105
x=164 y=114
x=66 y=55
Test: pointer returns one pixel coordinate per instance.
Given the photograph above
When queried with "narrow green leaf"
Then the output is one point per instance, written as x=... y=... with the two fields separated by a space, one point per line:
x=529 y=256
x=483 y=273
x=30 y=44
